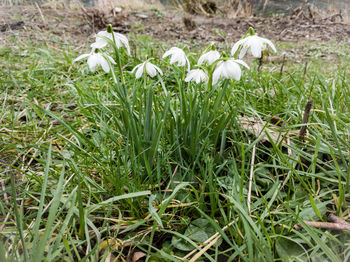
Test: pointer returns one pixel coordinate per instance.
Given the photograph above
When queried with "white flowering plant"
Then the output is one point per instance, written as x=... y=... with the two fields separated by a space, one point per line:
x=163 y=108
x=160 y=106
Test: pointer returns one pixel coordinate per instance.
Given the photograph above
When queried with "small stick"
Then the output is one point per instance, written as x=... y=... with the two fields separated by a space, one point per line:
x=305 y=70
x=282 y=66
x=306 y=116
x=251 y=177
x=260 y=62
x=333 y=218
x=324 y=225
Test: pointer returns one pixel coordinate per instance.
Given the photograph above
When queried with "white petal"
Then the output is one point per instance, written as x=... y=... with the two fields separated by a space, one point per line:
x=150 y=69
x=214 y=55
x=243 y=51
x=167 y=53
x=158 y=69
x=174 y=59
x=139 y=72
x=217 y=73
x=256 y=50
x=100 y=43
x=189 y=76
x=234 y=71
x=81 y=57
x=111 y=59
x=103 y=62
x=236 y=46
x=124 y=41
x=201 y=60
x=103 y=33
x=136 y=67
x=271 y=45
x=93 y=62
x=241 y=63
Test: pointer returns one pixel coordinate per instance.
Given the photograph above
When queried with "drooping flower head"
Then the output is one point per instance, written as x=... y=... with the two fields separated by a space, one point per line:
x=209 y=57
x=120 y=40
x=255 y=44
x=95 y=60
x=228 y=69
x=146 y=68
x=177 y=55
x=197 y=75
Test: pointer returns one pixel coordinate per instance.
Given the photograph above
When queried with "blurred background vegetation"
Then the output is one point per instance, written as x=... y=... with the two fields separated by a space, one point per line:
x=258 y=7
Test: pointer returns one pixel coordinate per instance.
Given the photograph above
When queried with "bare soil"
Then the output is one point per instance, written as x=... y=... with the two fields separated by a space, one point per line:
x=75 y=26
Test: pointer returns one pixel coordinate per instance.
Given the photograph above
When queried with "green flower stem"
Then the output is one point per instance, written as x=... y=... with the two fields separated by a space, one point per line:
x=210 y=80
x=249 y=32
x=118 y=61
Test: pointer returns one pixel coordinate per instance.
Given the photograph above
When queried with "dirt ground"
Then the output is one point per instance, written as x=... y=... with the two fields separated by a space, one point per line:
x=47 y=24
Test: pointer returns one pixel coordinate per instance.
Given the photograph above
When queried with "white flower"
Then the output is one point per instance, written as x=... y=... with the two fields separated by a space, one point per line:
x=146 y=67
x=197 y=75
x=209 y=57
x=177 y=56
x=254 y=43
x=96 y=59
x=228 y=69
x=120 y=40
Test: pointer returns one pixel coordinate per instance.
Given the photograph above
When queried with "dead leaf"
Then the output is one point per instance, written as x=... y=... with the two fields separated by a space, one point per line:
x=257 y=127
x=138 y=255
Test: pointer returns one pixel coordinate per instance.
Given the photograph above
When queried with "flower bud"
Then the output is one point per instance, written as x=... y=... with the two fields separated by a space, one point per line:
x=109 y=28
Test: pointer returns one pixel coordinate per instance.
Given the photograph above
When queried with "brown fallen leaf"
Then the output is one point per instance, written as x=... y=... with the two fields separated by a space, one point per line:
x=256 y=127
x=138 y=255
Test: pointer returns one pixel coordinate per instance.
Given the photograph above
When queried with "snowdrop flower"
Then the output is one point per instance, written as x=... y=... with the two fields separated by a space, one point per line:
x=177 y=56
x=120 y=40
x=96 y=59
x=196 y=75
x=209 y=57
x=254 y=43
x=146 y=67
x=228 y=69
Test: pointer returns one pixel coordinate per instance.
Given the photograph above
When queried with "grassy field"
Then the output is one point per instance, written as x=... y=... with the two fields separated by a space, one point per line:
x=97 y=170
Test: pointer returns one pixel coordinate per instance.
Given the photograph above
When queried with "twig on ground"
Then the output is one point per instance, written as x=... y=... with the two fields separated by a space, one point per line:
x=305 y=71
x=306 y=116
x=251 y=177
x=333 y=218
x=282 y=66
x=335 y=223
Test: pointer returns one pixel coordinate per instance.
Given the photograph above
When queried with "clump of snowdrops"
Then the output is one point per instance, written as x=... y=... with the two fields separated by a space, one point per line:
x=211 y=66
x=179 y=106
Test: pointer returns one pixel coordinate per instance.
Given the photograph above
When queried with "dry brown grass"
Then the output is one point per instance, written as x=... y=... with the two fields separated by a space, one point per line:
x=238 y=8
x=99 y=4
x=230 y=8
x=128 y=4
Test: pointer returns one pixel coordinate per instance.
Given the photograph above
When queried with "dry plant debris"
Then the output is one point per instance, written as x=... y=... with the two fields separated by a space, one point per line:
x=335 y=223
x=76 y=24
